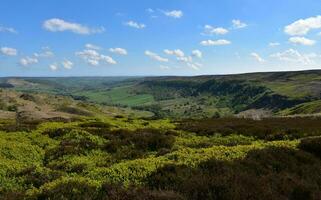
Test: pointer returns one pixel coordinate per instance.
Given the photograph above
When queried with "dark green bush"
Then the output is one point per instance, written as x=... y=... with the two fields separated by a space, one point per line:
x=311 y=145
x=57 y=132
x=36 y=177
x=272 y=173
x=115 y=192
x=137 y=143
x=267 y=129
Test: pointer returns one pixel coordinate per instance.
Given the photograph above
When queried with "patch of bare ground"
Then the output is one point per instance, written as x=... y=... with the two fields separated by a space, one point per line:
x=255 y=114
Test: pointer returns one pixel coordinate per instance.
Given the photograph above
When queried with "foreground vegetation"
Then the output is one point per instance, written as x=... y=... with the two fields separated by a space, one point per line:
x=122 y=158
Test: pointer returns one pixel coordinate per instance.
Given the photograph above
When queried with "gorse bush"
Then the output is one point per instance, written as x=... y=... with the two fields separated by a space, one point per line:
x=76 y=142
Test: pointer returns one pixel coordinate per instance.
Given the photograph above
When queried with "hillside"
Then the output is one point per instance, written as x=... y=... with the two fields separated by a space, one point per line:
x=271 y=93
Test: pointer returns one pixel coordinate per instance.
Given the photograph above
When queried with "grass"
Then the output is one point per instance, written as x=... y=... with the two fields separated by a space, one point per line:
x=309 y=108
x=118 y=95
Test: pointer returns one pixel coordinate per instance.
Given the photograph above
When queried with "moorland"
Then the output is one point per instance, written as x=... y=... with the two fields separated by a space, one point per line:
x=244 y=136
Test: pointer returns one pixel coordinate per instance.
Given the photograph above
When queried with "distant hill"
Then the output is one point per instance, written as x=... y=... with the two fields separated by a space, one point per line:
x=270 y=93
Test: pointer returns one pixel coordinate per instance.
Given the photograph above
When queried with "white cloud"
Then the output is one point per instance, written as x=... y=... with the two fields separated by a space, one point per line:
x=187 y=59
x=8 y=51
x=195 y=66
x=237 y=24
x=303 y=26
x=134 y=24
x=7 y=29
x=274 y=44
x=150 y=10
x=119 y=51
x=44 y=54
x=28 y=61
x=174 y=13
x=210 y=30
x=93 y=62
x=164 y=67
x=92 y=46
x=302 y=41
x=92 y=57
x=197 y=53
x=176 y=52
x=67 y=64
x=257 y=57
x=294 y=56
x=59 y=25
x=155 y=56
x=108 y=59
x=53 y=67
x=215 y=42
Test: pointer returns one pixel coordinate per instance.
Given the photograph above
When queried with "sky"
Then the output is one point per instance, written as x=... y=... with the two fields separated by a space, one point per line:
x=158 y=37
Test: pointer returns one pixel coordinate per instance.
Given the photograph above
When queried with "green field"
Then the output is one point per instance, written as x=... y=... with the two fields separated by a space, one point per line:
x=117 y=96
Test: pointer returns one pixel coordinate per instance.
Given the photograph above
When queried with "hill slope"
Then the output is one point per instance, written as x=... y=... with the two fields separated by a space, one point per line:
x=200 y=96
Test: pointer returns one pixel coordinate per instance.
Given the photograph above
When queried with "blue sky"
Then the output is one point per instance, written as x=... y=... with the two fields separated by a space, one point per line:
x=157 y=37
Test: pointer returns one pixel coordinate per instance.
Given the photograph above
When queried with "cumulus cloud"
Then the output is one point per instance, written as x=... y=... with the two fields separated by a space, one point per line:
x=174 y=13
x=257 y=57
x=294 y=56
x=176 y=52
x=59 y=25
x=210 y=30
x=237 y=24
x=7 y=29
x=215 y=42
x=197 y=53
x=8 y=51
x=94 y=58
x=28 y=61
x=274 y=44
x=302 y=41
x=155 y=56
x=67 y=64
x=303 y=26
x=53 y=67
x=92 y=46
x=118 y=50
x=134 y=24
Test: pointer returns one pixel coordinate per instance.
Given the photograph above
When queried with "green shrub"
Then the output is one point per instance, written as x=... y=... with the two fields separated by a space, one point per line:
x=36 y=177
x=68 y=189
x=73 y=143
